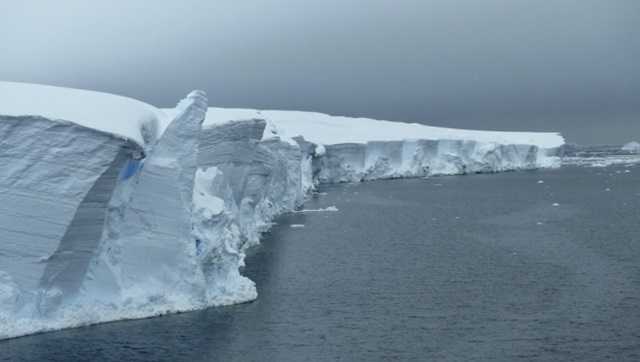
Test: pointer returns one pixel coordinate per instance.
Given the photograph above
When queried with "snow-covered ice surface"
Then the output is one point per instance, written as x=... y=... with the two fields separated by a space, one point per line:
x=113 y=114
x=325 y=129
x=348 y=149
x=113 y=209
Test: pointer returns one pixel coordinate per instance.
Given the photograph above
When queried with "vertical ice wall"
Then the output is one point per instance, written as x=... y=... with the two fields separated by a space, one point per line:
x=233 y=171
x=148 y=252
x=353 y=162
x=66 y=268
x=55 y=179
x=92 y=233
x=242 y=183
x=344 y=162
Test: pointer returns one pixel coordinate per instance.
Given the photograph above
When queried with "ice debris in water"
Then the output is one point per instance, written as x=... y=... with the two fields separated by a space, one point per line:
x=540 y=181
x=295 y=226
x=556 y=204
x=326 y=209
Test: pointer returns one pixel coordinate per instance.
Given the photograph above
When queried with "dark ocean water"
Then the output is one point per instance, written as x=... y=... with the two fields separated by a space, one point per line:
x=480 y=267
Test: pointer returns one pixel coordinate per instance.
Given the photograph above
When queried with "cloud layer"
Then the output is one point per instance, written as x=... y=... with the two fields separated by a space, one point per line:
x=567 y=65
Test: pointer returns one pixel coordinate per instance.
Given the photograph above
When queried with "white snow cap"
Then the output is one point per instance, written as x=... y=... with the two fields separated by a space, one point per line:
x=325 y=129
x=121 y=116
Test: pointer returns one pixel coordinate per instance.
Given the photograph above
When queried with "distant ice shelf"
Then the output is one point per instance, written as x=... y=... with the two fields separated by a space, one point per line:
x=324 y=129
x=113 y=209
x=598 y=155
x=633 y=147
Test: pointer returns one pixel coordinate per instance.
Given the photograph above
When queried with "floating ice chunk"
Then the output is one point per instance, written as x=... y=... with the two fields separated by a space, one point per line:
x=540 y=181
x=607 y=189
x=296 y=226
x=556 y=204
x=326 y=209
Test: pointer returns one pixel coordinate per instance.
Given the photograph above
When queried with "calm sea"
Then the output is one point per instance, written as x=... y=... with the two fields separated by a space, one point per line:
x=541 y=265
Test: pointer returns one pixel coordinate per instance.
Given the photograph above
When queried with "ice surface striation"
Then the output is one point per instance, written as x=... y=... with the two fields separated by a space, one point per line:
x=113 y=209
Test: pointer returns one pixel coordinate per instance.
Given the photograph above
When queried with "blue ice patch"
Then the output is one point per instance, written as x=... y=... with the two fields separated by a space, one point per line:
x=198 y=246
x=130 y=169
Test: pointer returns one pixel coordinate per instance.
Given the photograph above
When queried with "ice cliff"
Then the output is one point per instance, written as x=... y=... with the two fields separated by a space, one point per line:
x=113 y=209
x=349 y=149
x=95 y=212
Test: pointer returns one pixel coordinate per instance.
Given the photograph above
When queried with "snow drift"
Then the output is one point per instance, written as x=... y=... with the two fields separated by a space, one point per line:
x=113 y=209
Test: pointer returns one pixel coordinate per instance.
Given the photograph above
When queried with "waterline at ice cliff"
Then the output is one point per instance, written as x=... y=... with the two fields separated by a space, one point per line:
x=113 y=209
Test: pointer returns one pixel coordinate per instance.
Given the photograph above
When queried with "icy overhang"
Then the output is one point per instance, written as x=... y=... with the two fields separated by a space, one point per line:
x=121 y=116
x=326 y=129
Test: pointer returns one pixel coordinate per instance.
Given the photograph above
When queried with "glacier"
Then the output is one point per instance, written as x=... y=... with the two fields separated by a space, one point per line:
x=114 y=209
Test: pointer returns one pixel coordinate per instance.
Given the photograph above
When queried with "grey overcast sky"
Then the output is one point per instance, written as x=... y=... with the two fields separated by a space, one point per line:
x=566 y=65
